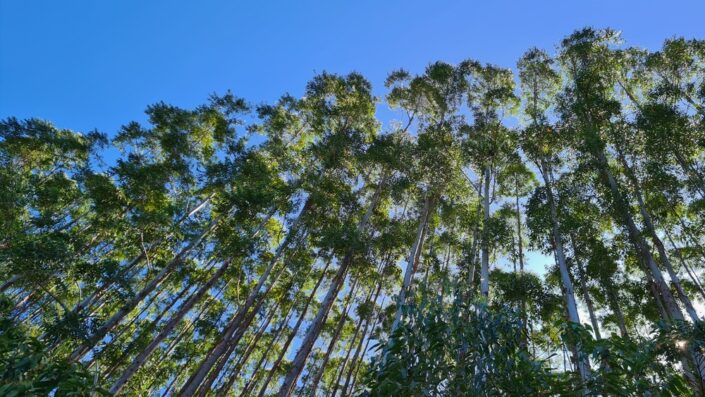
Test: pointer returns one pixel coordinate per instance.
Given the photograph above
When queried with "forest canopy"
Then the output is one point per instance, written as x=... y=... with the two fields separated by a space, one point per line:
x=307 y=247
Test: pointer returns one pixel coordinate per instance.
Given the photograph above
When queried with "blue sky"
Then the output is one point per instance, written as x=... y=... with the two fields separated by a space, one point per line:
x=97 y=64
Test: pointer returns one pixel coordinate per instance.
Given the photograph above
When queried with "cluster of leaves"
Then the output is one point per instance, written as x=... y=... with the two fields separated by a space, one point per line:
x=452 y=348
x=458 y=348
x=26 y=369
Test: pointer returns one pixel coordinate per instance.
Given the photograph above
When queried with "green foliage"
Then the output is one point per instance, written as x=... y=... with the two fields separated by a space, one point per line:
x=28 y=371
x=458 y=349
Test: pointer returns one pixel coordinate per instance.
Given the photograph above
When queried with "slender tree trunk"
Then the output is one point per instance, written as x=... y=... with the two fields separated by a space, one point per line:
x=589 y=304
x=636 y=238
x=141 y=358
x=192 y=384
x=336 y=284
x=617 y=310
x=343 y=366
x=167 y=352
x=684 y=263
x=293 y=333
x=411 y=261
x=355 y=364
x=241 y=361
x=569 y=292
x=146 y=332
x=485 y=265
x=333 y=342
x=689 y=234
x=524 y=315
x=259 y=332
x=690 y=171
x=142 y=256
x=519 y=233
x=651 y=231
x=235 y=374
x=254 y=379
x=314 y=330
x=230 y=344
x=146 y=290
x=175 y=341
x=584 y=289
x=336 y=386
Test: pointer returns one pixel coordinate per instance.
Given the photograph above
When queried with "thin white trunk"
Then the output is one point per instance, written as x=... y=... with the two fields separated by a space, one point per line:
x=485 y=265
x=411 y=261
x=569 y=291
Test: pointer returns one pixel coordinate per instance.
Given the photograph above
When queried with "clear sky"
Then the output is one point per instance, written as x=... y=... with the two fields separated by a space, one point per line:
x=97 y=64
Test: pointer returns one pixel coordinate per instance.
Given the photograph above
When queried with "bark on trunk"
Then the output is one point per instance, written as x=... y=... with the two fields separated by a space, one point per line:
x=485 y=265
x=331 y=345
x=568 y=290
x=144 y=292
x=651 y=231
x=224 y=343
x=293 y=333
x=636 y=238
x=141 y=358
x=336 y=284
x=411 y=262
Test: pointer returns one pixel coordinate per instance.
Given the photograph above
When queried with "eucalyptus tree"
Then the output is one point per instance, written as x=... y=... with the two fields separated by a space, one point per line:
x=44 y=205
x=488 y=142
x=517 y=180
x=432 y=100
x=589 y=108
x=166 y=156
x=342 y=109
x=542 y=143
x=258 y=189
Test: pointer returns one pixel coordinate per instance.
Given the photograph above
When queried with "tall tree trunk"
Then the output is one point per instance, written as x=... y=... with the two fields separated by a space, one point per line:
x=293 y=333
x=255 y=375
x=146 y=332
x=584 y=289
x=485 y=265
x=684 y=263
x=519 y=233
x=192 y=384
x=336 y=284
x=336 y=386
x=355 y=364
x=314 y=330
x=690 y=171
x=333 y=342
x=141 y=358
x=616 y=309
x=524 y=315
x=589 y=303
x=651 y=231
x=146 y=290
x=472 y=255
x=636 y=238
x=568 y=290
x=259 y=332
x=411 y=261
x=143 y=255
x=242 y=360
